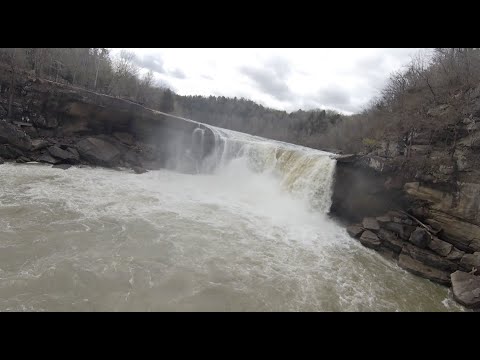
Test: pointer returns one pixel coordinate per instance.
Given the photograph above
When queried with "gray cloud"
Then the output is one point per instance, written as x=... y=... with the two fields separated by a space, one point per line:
x=271 y=78
x=365 y=72
x=156 y=64
x=334 y=99
x=177 y=73
x=151 y=62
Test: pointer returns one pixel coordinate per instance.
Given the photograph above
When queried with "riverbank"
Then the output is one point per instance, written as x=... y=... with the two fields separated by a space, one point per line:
x=429 y=221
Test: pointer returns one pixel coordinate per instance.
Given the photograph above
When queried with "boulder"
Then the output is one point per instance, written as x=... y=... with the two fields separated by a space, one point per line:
x=46 y=123
x=370 y=240
x=138 y=170
x=403 y=231
x=354 y=231
x=391 y=241
x=455 y=254
x=10 y=152
x=440 y=247
x=22 y=159
x=47 y=158
x=10 y=134
x=74 y=152
x=131 y=157
x=98 y=151
x=470 y=261
x=429 y=258
x=466 y=289
x=62 y=166
x=125 y=138
x=416 y=267
x=463 y=235
x=66 y=156
x=420 y=237
x=384 y=219
x=370 y=223
x=39 y=144
x=31 y=131
x=461 y=202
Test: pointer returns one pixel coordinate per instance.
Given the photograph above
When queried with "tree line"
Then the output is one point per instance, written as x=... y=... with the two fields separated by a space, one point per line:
x=401 y=108
x=94 y=69
x=97 y=70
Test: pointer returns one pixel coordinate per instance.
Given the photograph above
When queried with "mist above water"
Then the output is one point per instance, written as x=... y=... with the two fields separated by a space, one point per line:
x=248 y=232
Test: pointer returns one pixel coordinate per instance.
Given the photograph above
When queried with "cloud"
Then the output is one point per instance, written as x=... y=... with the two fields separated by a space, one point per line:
x=285 y=79
x=177 y=73
x=150 y=62
x=271 y=79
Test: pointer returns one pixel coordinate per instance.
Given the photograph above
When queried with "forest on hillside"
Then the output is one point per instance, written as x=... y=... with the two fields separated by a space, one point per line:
x=402 y=107
x=413 y=101
x=97 y=70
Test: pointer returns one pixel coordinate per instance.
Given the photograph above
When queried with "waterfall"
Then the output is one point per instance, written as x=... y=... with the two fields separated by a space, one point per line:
x=304 y=172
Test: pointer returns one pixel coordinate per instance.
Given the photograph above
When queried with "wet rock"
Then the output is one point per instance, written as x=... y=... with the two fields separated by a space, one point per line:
x=420 y=237
x=388 y=253
x=397 y=214
x=10 y=134
x=391 y=241
x=416 y=267
x=22 y=159
x=429 y=258
x=39 y=144
x=10 y=152
x=1 y=161
x=43 y=122
x=138 y=170
x=370 y=224
x=470 y=261
x=461 y=234
x=98 y=151
x=125 y=138
x=74 y=152
x=132 y=158
x=370 y=240
x=62 y=166
x=354 y=231
x=440 y=247
x=403 y=231
x=384 y=219
x=466 y=289
x=455 y=254
x=47 y=158
x=31 y=131
x=64 y=155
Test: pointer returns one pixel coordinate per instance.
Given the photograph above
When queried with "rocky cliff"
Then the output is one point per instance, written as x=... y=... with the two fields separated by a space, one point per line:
x=55 y=123
x=422 y=195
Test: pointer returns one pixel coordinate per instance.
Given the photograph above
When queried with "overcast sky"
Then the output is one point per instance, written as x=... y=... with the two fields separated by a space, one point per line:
x=285 y=79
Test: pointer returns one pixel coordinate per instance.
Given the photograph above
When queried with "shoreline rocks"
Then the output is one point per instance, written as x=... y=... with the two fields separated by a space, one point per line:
x=424 y=252
x=466 y=289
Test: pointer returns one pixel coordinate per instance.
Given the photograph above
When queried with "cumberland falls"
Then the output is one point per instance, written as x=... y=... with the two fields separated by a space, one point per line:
x=244 y=228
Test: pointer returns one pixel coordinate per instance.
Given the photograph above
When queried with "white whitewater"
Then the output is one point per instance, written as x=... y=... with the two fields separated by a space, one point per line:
x=248 y=232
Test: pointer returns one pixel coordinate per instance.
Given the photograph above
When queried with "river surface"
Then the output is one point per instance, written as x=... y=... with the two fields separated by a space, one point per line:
x=248 y=232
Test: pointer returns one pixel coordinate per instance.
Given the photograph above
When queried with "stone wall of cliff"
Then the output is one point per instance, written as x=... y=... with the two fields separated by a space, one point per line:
x=98 y=129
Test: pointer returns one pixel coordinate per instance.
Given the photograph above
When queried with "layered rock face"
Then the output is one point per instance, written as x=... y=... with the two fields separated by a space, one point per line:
x=55 y=124
x=433 y=177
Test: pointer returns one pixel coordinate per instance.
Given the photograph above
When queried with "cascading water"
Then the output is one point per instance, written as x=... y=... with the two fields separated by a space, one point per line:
x=305 y=173
x=242 y=229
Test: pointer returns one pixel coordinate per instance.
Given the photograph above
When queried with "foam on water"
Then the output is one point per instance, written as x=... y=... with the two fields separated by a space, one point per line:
x=248 y=236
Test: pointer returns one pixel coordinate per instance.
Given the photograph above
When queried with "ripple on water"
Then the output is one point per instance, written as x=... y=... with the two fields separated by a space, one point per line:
x=102 y=240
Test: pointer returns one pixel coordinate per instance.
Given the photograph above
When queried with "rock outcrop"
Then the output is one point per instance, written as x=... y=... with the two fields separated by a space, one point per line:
x=56 y=123
x=98 y=151
x=466 y=289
